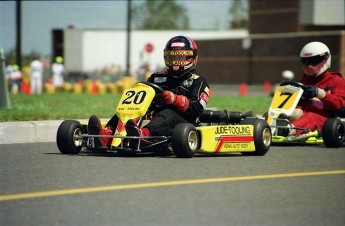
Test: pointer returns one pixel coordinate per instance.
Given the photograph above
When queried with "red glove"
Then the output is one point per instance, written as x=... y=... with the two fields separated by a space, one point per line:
x=180 y=102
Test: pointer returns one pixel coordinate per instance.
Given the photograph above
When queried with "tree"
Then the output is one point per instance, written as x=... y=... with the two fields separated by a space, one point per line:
x=160 y=15
x=239 y=12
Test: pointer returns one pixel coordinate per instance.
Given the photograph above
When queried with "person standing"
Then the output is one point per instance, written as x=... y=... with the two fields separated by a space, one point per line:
x=58 y=70
x=36 y=74
x=16 y=79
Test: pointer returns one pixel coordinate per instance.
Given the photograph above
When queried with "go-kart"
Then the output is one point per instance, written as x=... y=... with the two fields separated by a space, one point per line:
x=284 y=101
x=215 y=131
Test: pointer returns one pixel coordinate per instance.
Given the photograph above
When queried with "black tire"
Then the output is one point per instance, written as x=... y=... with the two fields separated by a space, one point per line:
x=185 y=140
x=68 y=137
x=333 y=133
x=262 y=136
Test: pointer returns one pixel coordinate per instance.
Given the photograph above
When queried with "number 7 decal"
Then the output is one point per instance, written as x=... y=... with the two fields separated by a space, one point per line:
x=288 y=96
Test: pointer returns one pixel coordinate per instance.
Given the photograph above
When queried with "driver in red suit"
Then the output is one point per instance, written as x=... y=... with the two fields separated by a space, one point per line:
x=185 y=97
x=324 y=91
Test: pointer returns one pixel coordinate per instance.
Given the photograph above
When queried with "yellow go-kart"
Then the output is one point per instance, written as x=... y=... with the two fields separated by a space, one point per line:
x=214 y=132
x=284 y=101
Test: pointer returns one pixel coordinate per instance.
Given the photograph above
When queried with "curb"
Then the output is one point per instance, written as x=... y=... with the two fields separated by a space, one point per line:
x=45 y=131
x=28 y=131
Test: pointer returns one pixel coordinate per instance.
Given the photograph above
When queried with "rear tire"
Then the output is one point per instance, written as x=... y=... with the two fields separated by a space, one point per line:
x=68 y=138
x=185 y=140
x=333 y=133
x=262 y=136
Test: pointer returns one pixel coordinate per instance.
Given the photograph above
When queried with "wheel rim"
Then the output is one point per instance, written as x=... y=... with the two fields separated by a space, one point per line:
x=192 y=140
x=266 y=137
x=340 y=132
x=77 y=137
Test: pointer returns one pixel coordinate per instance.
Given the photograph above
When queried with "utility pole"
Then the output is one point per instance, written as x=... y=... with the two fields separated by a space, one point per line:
x=19 y=33
x=4 y=98
x=128 y=52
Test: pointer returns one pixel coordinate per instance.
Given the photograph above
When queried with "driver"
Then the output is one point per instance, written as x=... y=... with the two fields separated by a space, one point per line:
x=185 y=97
x=324 y=91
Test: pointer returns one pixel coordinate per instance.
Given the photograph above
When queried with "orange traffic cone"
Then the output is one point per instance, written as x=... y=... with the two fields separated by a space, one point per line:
x=94 y=89
x=243 y=89
x=267 y=86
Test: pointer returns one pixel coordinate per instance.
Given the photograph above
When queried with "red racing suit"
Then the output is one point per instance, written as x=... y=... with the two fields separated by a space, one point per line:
x=316 y=111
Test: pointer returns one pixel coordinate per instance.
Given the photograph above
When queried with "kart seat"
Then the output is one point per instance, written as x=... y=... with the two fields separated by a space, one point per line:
x=210 y=116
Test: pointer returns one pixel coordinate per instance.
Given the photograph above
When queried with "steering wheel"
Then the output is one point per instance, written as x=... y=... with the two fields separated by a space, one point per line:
x=293 y=83
x=159 y=90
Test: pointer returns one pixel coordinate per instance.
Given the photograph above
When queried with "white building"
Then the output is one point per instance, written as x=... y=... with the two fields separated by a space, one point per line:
x=89 y=50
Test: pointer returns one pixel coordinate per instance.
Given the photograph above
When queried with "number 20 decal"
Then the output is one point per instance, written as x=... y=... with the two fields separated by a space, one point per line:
x=288 y=96
x=133 y=97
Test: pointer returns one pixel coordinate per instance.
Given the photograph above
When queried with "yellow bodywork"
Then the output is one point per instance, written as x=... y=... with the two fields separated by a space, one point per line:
x=226 y=138
x=285 y=100
x=133 y=104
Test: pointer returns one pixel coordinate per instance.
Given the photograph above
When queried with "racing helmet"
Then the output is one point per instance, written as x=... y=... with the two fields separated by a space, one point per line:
x=315 y=58
x=59 y=59
x=288 y=75
x=180 y=56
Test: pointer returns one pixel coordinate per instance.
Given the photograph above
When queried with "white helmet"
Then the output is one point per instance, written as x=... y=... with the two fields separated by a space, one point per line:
x=288 y=75
x=315 y=58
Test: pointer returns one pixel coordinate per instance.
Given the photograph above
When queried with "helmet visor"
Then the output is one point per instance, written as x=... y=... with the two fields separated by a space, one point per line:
x=178 y=57
x=315 y=60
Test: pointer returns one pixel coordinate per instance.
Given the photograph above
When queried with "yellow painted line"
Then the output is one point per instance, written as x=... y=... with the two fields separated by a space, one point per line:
x=161 y=184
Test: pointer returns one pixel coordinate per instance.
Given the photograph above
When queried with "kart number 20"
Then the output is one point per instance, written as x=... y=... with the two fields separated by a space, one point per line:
x=133 y=97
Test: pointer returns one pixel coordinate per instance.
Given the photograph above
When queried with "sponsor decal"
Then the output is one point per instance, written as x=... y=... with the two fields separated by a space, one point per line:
x=177 y=44
x=194 y=76
x=207 y=91
x=237 y=130
x=203 y=103
x=160 y=79
x=162 y=72
x=188 y=66
x=177 y=62
x=188 y=82
x=178 y=52
x=234 y=142
x=204 y=97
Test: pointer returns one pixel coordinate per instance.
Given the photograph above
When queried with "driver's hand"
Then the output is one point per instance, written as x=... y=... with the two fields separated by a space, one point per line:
x=310 y=91
x=180 y=102
x=167 y=97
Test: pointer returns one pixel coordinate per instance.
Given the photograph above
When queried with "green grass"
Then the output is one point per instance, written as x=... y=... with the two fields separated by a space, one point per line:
x=81 y=106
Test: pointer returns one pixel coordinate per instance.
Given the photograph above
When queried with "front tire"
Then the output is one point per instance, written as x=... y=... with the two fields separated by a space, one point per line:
x=333 y=133
x=69 y=137
x=262 y=136
x=185 y=140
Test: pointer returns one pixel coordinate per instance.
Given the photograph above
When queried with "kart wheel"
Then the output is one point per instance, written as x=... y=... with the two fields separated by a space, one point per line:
x=68 y=138
x=262 y=136
x=184 y=140
x=333 y=133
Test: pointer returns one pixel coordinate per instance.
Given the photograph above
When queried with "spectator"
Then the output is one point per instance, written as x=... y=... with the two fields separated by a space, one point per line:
x=58 y=70
x=16 y=79
x=36 y=74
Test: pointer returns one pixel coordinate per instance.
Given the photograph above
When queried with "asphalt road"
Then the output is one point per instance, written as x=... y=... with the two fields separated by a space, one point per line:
x=289 y=186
